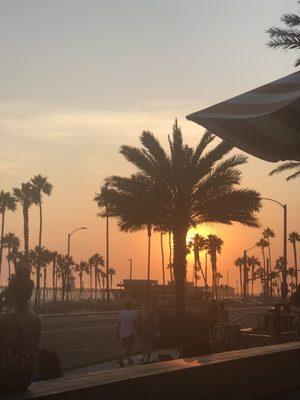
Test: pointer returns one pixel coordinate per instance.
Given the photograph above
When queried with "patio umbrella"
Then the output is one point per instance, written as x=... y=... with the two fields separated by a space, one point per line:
x=264 y=122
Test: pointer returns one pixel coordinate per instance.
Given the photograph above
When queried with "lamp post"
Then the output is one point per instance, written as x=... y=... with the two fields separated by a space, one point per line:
x=68 y=259
x=284 y=287
x=130 y=268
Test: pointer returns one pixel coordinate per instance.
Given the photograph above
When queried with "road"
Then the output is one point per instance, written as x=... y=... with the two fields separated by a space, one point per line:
x=82 y=340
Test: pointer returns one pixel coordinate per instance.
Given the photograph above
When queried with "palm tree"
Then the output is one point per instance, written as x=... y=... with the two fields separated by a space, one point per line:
x=111 y=272
x=7 y=203
x=253 y=262
x=213 y=246
x=81 y=268
x=106 y=213
x=25 y=196
x=239 y=262
x=191 y=188
x=262 y=243
x=96 y=261
x=287 y=37
x=294 y=237
x=198 y=244
x=40 y=186
x=135 y=202
x=288 y=166
x=12 y=243
x=268 y=233
x=54 y=255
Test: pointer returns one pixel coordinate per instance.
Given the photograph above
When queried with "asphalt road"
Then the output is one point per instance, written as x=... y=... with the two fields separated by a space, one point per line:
x=83 y=340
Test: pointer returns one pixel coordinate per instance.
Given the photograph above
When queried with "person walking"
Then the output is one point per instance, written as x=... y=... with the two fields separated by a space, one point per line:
x=126 y=330
x=148 y=330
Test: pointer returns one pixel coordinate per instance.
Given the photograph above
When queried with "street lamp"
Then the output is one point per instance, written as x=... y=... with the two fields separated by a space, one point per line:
x=68 y=259
x=284 y=287
x=130 y=268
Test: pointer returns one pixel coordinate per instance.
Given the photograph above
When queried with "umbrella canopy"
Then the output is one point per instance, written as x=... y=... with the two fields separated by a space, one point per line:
x=264 y=122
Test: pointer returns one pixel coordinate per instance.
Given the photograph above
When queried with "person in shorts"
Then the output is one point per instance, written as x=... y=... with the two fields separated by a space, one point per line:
x=126 y=330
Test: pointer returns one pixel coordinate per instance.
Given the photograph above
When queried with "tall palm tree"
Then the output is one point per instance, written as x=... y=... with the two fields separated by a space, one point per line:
x=294 y=237
x=239 y=262
x=253 y=263
x=135 y=202
x=268 y=233
x=262 y=243
x=198 y=244
x=12 y=243
x=191 y=187
x=25 y=196
x=112 y=272
x=40 y=186
x=54 y=255
x=96 y=261
x=287 y=37
x=81 y=268
x=214 y=245
x=7 y=203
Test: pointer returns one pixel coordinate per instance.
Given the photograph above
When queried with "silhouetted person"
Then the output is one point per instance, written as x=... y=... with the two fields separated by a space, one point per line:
x=19 y=335
x=126 y=330
x=149 y=328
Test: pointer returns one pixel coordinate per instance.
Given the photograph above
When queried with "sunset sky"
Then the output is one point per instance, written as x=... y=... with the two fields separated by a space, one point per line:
x=80 y=78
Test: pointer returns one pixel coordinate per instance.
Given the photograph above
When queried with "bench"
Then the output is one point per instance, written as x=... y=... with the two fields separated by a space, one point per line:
x=244 y=374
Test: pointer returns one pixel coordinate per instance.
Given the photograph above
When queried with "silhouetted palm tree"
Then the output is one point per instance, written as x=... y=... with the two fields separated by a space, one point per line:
x=288 y=166
x=262 y=243
x=81 y=268
x=190 y=188
x=7 y=203
x=25 y=196
x=111 y=272
x=214 y=245
x=294 y=237
x=96 y=261
x=239 y=262
x=253 y=263
x=198 y=244
x=12 y=243
x=287 y=37
x=268 y=233
x=40 y=186
x=135 y=202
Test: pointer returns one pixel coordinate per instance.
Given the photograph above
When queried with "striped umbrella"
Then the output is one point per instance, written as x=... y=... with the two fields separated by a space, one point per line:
x=264 y=122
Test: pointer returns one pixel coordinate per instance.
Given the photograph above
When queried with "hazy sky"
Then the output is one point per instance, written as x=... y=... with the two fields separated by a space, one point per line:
x=80 y=78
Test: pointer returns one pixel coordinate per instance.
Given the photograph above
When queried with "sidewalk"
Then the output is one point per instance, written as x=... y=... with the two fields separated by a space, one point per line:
x=113 y=364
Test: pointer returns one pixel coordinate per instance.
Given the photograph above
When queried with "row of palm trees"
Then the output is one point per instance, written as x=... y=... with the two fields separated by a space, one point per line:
x=43 y=262
x=269 y=274
x=175 y=191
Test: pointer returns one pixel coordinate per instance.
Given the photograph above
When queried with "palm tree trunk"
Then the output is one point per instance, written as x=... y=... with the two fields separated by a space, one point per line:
x=8 y=262
x=163 y=265
x=170 y=259
x=1 y=243
x=44 y=285
x=107 y=259
x=26 y=231
x=296 y=261
x=241 y=281
x=149 y=229
x=91 y=281
x=179 y=237
x=96 y=288
x=252 y=281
